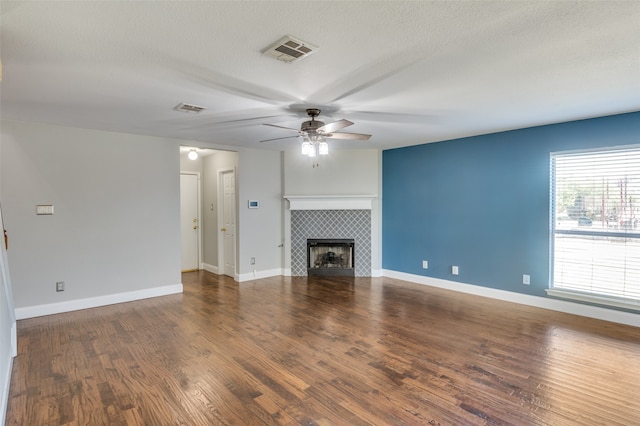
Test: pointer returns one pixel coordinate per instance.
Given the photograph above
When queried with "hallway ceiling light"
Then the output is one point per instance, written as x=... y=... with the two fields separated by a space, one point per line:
x=193 y=154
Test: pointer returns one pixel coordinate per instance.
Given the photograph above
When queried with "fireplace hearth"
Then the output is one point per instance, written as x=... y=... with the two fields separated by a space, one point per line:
x=330 y=257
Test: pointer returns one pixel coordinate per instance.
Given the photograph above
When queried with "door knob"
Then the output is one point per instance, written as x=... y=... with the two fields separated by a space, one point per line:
x=223 y=229
x=195 y=227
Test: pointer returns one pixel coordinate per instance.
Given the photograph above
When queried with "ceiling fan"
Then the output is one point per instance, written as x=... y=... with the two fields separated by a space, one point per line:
x=314 y=130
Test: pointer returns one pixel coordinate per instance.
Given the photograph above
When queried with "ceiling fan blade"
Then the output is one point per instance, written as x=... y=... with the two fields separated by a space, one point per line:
x=208 y=78
x=235 y=122
x=336 y=125
x=366 y=77
x=392 y=117
x=280 y=127
x=277 y=139
x=352 y=136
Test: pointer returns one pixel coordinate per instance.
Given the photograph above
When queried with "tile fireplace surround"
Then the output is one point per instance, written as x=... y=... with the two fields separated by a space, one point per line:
x=333 y=219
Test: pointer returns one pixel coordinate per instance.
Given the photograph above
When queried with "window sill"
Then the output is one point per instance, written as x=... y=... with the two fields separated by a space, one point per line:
x=618 y=302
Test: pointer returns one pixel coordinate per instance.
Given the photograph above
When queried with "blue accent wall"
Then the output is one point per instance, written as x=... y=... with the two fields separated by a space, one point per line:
x=482 y=202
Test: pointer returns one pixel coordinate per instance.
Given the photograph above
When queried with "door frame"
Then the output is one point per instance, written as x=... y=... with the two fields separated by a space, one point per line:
x=198 y=214
x=8 y=293
x=221 y=172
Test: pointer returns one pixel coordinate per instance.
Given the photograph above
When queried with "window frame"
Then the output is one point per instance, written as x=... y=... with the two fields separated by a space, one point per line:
x=573 y=294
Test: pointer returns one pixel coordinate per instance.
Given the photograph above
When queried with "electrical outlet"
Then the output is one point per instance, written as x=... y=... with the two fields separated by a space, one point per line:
x=425 y=264
x=60 y=286
x=253 y=260
x=454 y=270
x=526 y=279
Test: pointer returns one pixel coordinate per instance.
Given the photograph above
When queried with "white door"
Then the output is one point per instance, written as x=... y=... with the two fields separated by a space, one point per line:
x=229 y=222
x=189 y=221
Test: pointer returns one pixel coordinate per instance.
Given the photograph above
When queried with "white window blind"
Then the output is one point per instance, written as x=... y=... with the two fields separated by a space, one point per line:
x=595 y=199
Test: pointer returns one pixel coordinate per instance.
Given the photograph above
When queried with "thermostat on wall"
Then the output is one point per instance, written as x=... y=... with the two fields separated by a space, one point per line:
x=254 y=204
x=44 y=209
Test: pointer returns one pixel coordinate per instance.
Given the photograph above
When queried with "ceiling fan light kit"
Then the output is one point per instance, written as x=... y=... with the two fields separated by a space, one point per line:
x=323 y=148
x=314 y=146
x=308 y=149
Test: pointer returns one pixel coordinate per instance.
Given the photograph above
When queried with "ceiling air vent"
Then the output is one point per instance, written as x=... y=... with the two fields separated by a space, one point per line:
x=193 y=109
x=290 y=49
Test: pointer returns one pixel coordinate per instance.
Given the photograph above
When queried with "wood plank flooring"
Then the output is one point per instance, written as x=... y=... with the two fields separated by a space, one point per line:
x=322 y=351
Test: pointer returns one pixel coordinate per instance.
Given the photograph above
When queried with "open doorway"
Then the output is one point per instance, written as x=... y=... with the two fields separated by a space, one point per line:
x=213 y=167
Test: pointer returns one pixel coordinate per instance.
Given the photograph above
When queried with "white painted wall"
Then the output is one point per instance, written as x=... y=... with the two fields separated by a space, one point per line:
x=342 y=172
x=116 y=225
x=260 y=231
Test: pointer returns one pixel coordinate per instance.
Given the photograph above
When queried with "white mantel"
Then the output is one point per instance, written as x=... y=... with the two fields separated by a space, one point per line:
x=330 y=202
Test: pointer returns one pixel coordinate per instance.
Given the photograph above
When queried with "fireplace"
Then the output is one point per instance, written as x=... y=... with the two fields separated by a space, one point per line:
x=333 y=223
x=330 y=257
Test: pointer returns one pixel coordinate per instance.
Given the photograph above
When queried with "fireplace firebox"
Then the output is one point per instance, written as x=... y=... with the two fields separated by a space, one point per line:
x=330 y=257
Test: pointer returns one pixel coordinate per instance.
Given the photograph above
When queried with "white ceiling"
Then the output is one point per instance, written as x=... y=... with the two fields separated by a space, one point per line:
x=407 y=72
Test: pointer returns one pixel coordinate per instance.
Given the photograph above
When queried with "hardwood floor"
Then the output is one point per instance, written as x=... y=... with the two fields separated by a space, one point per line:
x=322 y=351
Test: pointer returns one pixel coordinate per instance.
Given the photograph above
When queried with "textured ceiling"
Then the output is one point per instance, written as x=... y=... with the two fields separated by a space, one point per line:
x=407 y=72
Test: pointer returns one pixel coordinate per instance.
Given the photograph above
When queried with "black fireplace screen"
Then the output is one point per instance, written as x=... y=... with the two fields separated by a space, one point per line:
x=330 y=257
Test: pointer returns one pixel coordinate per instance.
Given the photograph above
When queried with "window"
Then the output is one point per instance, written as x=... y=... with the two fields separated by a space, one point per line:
x=595 y=198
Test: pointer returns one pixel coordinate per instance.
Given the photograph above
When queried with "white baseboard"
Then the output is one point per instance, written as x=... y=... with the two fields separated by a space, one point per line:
x=209 y=268
x=596 y=312
x=256 y=275
x=94 y=302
